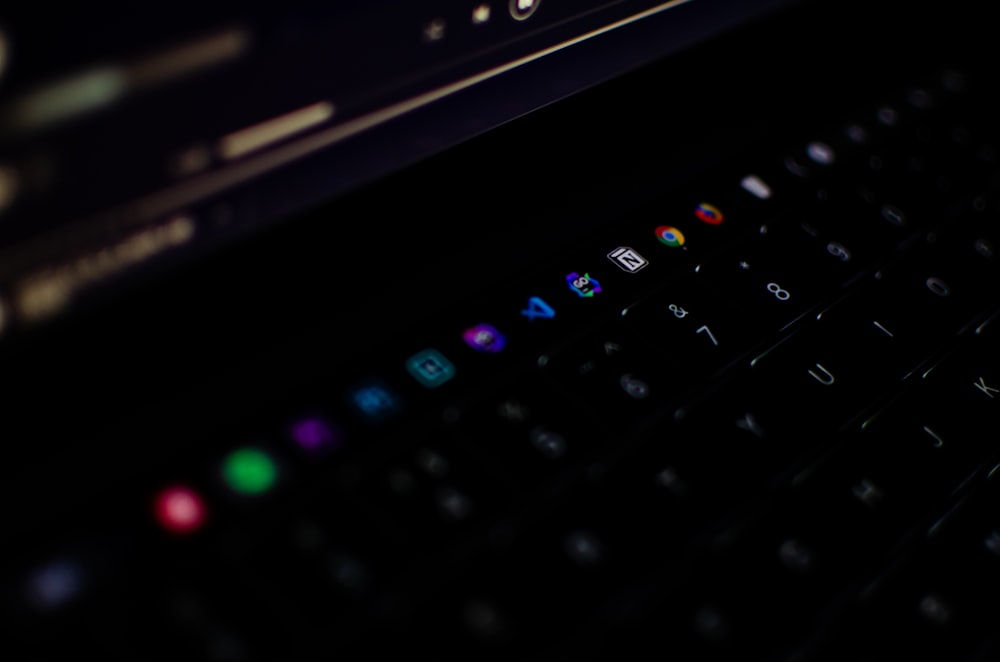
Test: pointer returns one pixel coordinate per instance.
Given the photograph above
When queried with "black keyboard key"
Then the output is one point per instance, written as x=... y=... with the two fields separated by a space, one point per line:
x=767 y=279
x=615 y=375
x=697 y=331
x=532 y=435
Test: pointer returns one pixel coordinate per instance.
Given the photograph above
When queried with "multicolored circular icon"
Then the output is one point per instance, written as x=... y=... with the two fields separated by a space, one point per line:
x=669 y=235
x=708 y=214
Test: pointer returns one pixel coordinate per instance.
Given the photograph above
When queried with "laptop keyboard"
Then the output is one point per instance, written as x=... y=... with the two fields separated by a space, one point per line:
x=714 y=432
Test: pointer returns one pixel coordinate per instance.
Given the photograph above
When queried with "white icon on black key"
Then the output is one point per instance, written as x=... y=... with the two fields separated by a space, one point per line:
x=628 y=259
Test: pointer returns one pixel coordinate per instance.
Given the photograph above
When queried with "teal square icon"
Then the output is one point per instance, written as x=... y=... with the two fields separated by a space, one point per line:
x=430 y=367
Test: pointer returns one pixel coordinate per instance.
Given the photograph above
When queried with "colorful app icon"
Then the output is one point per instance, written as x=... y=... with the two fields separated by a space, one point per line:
x=670 y=236
x=249 y=471
x=315 y=435
x=628 y=259
x=708 y=214
x=430 y=367
x=374 y=401
x=538 y=309
x=584 y=285
x=484 y=338
x=179 y=509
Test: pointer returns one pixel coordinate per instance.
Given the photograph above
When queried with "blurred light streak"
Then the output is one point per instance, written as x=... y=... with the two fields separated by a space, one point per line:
x=101 y=86
x=188 y=58
x=9 y=182
x=4 y=50
x=46 y=292
x=250 y=139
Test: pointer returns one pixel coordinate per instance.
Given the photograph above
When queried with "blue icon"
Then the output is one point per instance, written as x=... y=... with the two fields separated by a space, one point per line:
x=375 y=401
x=538 y=310
x=430 y=368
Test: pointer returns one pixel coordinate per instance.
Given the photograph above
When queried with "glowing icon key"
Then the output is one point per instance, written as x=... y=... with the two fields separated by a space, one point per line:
x=315 y=435
x=179 y=509
x=538 y=309
x=584 y=286
x=628 y=259
x=670 y=236
x=374 y=401
x=710 y=214
x=756 y=187
x=430 y=368
x=484 y=338
x=249 y=471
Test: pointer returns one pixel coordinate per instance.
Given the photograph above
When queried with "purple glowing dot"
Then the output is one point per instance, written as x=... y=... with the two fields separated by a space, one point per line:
x=315 y=435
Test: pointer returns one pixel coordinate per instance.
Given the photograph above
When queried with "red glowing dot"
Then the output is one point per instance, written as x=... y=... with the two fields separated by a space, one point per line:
x=179 y=509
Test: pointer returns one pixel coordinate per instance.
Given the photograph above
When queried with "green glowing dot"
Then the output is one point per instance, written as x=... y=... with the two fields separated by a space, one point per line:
x=249 y=471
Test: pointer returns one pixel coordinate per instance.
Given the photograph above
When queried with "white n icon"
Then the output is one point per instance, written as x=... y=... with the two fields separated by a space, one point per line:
x=628 y=259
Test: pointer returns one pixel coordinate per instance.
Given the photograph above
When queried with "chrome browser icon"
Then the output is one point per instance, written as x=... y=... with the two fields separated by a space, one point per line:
x=670 y=236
